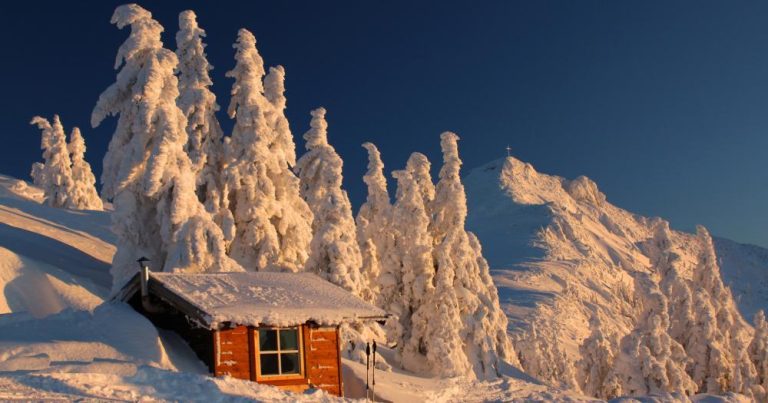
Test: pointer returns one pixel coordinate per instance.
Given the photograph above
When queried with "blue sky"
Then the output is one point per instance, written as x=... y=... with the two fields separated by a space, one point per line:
x=663 y=103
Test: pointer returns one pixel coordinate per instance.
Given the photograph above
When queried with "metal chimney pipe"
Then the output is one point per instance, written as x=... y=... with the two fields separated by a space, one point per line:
x=146 y=302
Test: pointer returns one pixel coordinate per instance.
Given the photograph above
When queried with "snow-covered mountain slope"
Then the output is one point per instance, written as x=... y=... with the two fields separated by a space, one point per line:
x=560 y=253
x=59 y=340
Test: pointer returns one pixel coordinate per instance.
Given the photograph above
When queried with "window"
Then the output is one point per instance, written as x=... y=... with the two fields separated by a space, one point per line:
x=280 y=352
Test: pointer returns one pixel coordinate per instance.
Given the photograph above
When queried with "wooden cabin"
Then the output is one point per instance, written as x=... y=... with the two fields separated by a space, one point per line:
x=279 y=329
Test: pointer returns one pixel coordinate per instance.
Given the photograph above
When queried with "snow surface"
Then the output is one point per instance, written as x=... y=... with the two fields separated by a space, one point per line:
x=267 y=298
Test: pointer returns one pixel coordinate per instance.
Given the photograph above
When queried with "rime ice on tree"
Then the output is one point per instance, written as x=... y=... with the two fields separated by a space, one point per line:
x=55 y=175
x=147 y=173
x=334 y=253
x=373 y=227
x=204 y=145
x=83 y=195
x=273 y=223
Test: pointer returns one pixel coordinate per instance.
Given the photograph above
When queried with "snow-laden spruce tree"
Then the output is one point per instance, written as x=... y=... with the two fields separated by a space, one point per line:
x=730 y=328
x=147 y=173
x=420 y=167
x=56 y=175
x=334 y=253
x=38 y=168
x=38 y=174
x=83 y=195
x=673 y=285
x=430 y=319
x=458 y=251
x=412 y=249
x=272 y=221
x=374 y=234
x=282 y=139
x=542 y=356
x=649 y=359
x=198 y=102
x=758 y=353
x=598 y=351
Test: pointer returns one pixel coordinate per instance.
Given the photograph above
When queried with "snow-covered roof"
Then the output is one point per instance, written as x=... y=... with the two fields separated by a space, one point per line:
x=263 y=298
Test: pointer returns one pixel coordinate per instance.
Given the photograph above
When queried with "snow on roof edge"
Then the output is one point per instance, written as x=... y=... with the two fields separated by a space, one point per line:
x=263 y=298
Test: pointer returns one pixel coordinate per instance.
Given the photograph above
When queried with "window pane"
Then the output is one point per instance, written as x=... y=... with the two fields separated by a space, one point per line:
x=269 y=364
x=290 y=363
x=267 y=340
x=289 y=339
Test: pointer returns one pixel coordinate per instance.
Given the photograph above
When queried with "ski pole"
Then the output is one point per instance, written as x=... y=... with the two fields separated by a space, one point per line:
x=373 y=372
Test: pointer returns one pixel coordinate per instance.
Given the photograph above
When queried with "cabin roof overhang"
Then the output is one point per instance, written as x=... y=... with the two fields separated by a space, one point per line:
x=222 y=300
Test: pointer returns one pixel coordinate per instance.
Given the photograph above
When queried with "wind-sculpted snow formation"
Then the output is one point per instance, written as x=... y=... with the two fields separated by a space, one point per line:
x=147 y=173
x=662 y=318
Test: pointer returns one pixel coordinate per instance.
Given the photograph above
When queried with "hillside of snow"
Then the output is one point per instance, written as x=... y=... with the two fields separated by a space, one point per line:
x=560 y=253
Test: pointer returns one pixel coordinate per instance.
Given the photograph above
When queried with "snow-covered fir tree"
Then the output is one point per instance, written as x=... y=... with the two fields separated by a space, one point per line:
x=83 y=194
x=38 y=168
x=374 y=234
x=729 y=330
x=272 y=221
x=198 y=102
x=649 y=359
x=147 y=173
x=56 y=174
x=598 y=351
x=758 y=353
x=412 y=252
x=436 y=280
x=38 y=174
x=542 y=356
x=282 y=139
x=484 y=324
x=334 y=252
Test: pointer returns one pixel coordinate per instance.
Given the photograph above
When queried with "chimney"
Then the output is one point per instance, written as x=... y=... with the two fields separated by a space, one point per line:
x=146 y=301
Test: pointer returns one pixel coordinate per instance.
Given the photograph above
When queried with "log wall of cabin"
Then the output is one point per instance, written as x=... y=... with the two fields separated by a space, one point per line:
x=323 y=358
x=235 y=353
x=232 y=352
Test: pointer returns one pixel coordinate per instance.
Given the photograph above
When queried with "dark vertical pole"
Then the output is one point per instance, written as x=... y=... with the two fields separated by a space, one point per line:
x=367 y=360
x=373 y=373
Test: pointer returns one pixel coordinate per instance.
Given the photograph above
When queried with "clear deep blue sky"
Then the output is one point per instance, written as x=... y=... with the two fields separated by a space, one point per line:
x=664 y=104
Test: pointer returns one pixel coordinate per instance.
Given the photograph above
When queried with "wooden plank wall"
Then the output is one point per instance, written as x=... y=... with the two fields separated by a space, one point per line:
x=232 y=356
x=323 y=358
x=231 y=353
